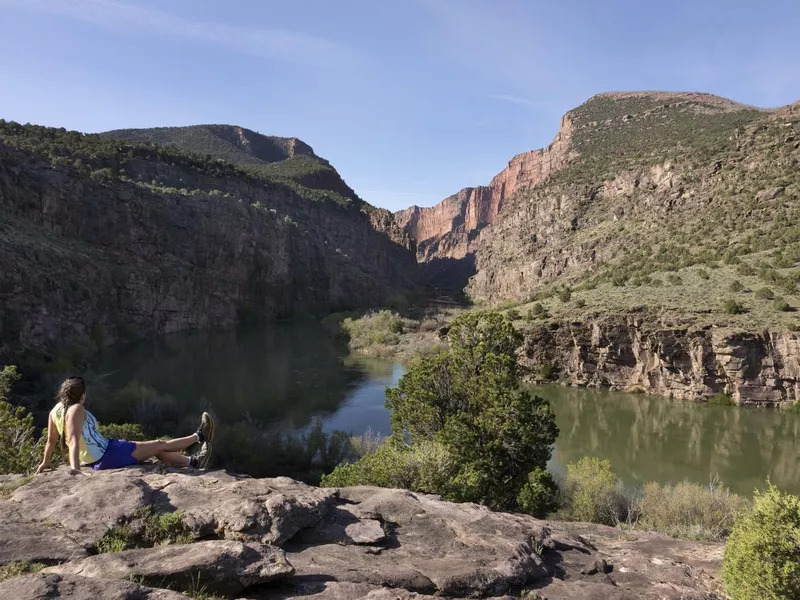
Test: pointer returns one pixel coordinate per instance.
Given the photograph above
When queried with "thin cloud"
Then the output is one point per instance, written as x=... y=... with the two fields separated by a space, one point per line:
x=275 y=44
x=518 y=100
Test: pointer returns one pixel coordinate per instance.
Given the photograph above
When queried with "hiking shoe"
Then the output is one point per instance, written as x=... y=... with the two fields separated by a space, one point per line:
x=199 y=460
x=206 y=430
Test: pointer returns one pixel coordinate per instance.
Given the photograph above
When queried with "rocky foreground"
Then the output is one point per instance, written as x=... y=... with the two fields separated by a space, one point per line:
x=280 y=539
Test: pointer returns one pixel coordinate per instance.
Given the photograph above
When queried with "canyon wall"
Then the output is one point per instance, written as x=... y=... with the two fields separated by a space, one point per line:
x=449 y=229
x=85 y=259
x=631 y=353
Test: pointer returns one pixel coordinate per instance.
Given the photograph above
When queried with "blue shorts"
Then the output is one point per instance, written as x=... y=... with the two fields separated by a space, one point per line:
x=119 y=453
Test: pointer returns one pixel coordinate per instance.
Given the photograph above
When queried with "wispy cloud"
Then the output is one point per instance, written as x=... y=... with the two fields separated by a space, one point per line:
x=275 y=44
x=518 y=100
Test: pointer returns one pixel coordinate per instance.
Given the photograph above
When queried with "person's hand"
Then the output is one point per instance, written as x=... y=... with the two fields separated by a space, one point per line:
x=45 y=466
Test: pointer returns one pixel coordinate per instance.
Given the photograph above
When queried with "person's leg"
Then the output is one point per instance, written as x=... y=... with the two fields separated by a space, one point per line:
x=147 y=450
x=173 y=459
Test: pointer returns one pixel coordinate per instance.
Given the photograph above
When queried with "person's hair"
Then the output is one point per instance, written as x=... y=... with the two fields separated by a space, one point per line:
x=69 y=393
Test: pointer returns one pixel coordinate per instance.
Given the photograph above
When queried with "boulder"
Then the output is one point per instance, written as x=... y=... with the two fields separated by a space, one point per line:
x=466 y=550
x=84 y=504
x=31 y=542
x=335 y=590
x=43 y=586
x=265 y=510
x=220 y=566
x=434 y=546
x=213 y=503
x=360 y=543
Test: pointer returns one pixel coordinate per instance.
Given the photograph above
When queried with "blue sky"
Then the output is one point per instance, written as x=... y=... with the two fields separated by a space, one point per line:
x=411 y=100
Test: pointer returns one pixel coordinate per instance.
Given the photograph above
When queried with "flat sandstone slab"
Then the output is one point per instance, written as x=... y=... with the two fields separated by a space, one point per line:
x=220 y=566
x=45 y=586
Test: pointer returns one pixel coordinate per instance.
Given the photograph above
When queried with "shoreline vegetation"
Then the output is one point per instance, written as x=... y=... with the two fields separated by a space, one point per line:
x=402 y=337
x=451 y=436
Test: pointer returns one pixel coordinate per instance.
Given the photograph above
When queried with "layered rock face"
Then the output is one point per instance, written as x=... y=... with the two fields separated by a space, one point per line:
x=630 y=352
x=279 y=539
x=647 y=168
x=449 y=229
x=172 y=246
x=639 y=196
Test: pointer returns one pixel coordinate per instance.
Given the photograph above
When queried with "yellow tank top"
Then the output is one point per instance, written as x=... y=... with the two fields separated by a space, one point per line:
x=92 y=443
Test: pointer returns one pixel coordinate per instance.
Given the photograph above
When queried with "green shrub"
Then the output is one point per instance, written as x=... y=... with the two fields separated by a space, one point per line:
x=765 y=293
x=762 y=555
x=537 y=311
x=592 y=492
x=793 y=407
x=305 y=457
x=690 y=511
x=140 y=403
x=382 y=328
x=674 y=279
x=124 y=431
x=732 y=307
x=463 y=398
x=461 y=427
x=368 y=443
x=745 y=269
x=538 y=496
x=147 y=528
x=721 y=400
x=512 y=314
x=15 y=569
x=424 y=467
x=103 y=175
x=703 y=274
x=19 y=451
x=546 y=371
x=781 y=305
x=565 y=295
x=580 y=303
x=735 y=286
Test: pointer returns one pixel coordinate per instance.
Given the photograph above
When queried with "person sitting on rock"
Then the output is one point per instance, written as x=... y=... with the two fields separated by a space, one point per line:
x=87 y=447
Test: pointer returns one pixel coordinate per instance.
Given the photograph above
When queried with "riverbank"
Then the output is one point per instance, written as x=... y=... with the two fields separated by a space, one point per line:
x=642 y=350
x=389 y=335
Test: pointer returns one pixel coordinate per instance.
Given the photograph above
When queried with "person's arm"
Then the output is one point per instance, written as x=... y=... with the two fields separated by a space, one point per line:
x=75 y=418
x=52 y=439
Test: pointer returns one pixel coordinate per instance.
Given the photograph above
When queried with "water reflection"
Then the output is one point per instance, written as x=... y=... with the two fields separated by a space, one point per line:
x=265 y=383
x=269 y=388
x=289 y=373
x=656 y=439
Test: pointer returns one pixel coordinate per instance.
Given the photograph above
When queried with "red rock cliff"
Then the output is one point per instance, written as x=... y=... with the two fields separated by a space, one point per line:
x=445 y=230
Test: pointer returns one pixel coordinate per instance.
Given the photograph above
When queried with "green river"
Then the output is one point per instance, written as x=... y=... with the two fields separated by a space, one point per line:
x=285 y=377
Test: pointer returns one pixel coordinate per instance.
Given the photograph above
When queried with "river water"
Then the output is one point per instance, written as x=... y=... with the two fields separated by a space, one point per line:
x=283 y=378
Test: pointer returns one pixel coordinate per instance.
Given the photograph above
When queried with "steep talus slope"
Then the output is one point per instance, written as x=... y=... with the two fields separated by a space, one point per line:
x=103 y=240
x=279 y=539
x=445 y=233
